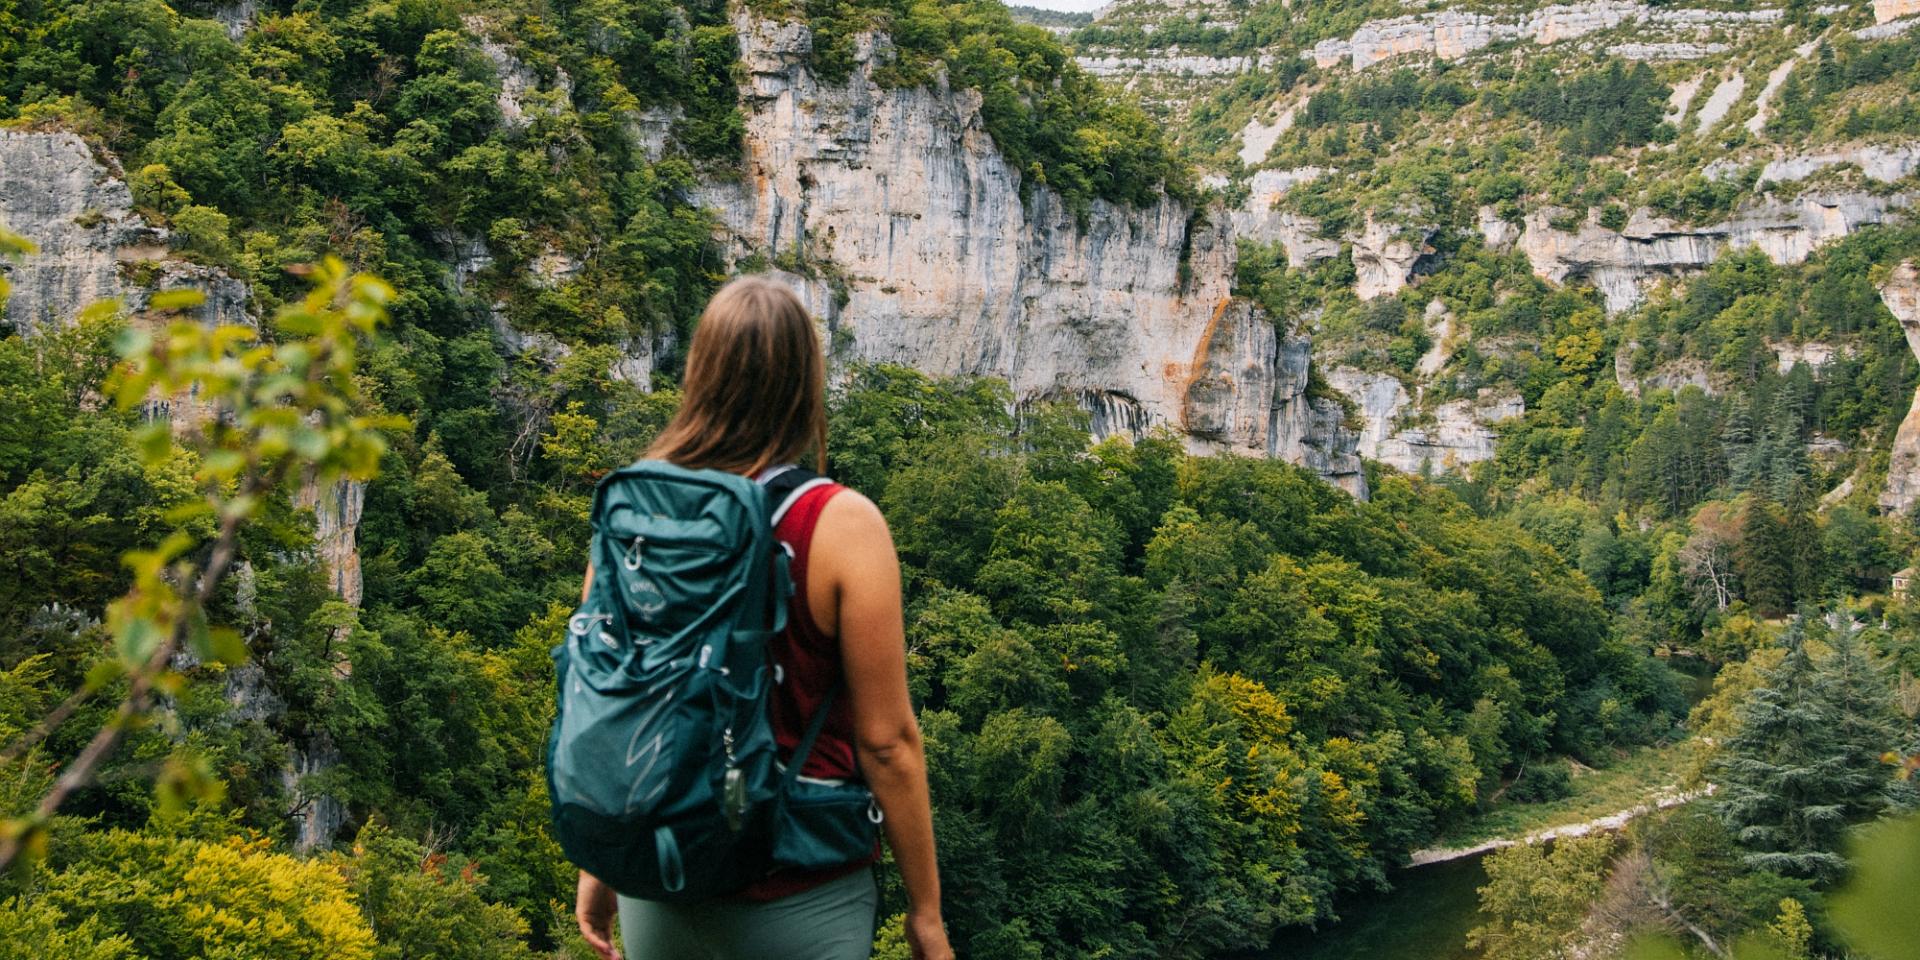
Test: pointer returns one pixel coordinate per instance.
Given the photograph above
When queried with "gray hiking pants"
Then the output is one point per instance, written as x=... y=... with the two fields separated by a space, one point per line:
x=833 y=921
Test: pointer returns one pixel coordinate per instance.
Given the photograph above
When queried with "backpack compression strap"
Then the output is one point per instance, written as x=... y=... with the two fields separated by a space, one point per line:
x=804 y=748
x=785 y=485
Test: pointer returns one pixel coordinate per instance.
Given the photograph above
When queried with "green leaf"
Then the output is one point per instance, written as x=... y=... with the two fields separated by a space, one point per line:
x=309 y=443
x=1875 y=911
x=240 y=506
x=137 y=639
x=225 y=464
x=227 y=646
x=155 y=441
x=102 y=673
x=188 y=512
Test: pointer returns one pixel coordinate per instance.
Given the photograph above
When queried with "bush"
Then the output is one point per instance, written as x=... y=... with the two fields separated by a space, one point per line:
x=204 y=231
x=1540 y=783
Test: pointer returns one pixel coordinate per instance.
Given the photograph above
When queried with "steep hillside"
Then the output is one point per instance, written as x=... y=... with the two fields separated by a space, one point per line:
x=1444 y=191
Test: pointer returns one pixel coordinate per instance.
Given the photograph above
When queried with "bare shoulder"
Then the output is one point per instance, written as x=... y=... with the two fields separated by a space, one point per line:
x=851 y=516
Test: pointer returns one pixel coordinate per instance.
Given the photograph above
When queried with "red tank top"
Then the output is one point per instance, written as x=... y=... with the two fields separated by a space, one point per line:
x=809 y=663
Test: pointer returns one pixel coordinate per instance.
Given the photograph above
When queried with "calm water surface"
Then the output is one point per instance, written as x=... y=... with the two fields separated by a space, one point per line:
x=1425 y=917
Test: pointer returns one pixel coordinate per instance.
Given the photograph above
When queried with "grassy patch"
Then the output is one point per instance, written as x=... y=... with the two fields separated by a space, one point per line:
x=1630 y=781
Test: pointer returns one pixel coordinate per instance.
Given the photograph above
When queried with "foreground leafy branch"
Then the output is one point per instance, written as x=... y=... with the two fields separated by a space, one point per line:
x=254 y=417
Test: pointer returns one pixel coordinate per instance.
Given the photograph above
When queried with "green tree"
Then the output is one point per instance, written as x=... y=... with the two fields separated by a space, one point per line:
x=1796 y=769
x=1534 y=900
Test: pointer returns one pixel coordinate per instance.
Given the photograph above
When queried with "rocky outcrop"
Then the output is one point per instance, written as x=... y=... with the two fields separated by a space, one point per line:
x=1257 y=138
x=1886 y=11
x=1901 y=294
x=91 y=244
x=1883 y=162
x=1623 y=263
x=1815 y=354
x=1448 y=439
x=928 y=249
x=1313 y=431
x=1763 y=104
x=524 y=94
x=1384 y=256
x=1720 y=102
x=1261 y=218
x=1172 y=61
x=336 y=520
x=1449 y=34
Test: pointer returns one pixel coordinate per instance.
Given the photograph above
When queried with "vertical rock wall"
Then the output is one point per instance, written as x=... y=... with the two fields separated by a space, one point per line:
x=1901 y=294
x=925 y=250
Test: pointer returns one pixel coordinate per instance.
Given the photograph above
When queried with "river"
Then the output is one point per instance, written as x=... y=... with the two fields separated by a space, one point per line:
x=1428 y=912
x=1425 y=916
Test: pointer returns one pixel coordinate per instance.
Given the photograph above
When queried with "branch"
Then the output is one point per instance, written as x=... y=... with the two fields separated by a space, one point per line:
x=81 y=771
x=42 y=730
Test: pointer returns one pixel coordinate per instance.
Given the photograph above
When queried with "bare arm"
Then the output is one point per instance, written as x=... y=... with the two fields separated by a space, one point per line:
x=863 y=574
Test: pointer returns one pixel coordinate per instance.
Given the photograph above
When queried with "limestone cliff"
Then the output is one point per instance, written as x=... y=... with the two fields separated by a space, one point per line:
x=1623 y=263
x=921 y=246
x=1901 y=294
x=92 y=246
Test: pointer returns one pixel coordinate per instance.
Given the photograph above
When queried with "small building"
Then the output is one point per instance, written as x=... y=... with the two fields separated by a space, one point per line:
x=1902 y=581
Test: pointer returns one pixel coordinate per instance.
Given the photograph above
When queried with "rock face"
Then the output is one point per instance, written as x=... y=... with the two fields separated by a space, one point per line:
x=1725 y=94
x=926 y=250
x=524 y=95
x=1257 y=138
x=1453 y=436
x=1384 y=256
x=1901 y=294
x=1449 y=34
x=91 y=244
x=336 y=519
x=1623 y=263
x=1883 y=162
x=1889 y=10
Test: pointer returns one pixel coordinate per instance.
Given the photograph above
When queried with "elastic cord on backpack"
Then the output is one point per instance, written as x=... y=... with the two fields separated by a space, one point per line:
x=673 y=874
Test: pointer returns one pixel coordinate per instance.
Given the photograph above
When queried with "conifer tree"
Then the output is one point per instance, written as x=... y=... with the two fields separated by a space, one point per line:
x=1764 y=559
x=1797 y=770
x=1806 y=552
x=1859 y=692
x=1736 y=437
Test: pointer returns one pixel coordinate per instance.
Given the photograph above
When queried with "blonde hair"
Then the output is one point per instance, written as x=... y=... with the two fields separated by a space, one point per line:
x=754 y=394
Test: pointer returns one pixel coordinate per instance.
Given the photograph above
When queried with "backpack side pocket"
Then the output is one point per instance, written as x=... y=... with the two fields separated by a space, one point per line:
x=825 y=824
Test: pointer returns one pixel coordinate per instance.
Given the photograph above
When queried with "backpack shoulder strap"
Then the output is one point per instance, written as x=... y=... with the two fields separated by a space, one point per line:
x=785 y=486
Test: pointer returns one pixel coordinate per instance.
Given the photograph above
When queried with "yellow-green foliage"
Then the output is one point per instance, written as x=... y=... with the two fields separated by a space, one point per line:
x=424 y=904
x=35 y=930
x=200 y=900
x=1534 y=900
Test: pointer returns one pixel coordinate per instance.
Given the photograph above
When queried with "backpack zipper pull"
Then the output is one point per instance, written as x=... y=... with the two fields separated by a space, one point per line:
x=635 y=553
x=733 y=800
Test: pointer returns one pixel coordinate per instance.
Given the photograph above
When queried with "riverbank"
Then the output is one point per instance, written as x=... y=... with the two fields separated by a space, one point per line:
x=1636 y=778
x=1607 y=824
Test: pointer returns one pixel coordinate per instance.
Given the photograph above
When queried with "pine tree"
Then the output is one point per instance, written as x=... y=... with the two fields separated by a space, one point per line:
x=1827 y=80
x=1806 y=551
x=1736 y=438
x=1785 y=451
x=1764 y=560
x=1789 y=778
x=1859 y=691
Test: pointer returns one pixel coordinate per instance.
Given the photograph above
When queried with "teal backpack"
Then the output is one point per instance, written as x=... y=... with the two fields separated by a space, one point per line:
x=662 y=766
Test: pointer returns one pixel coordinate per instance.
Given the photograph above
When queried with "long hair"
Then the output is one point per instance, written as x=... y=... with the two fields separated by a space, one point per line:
x=754 y=394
